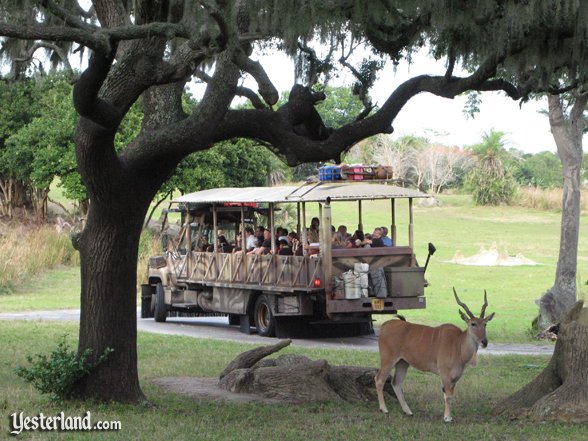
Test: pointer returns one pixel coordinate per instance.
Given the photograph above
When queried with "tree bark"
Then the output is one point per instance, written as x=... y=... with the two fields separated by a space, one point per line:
x=568 y=138
x=560 y=392
x=108 y=317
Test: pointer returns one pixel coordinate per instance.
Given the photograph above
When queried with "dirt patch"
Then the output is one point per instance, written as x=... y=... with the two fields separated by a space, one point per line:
x=207 y=389
x=492 y=257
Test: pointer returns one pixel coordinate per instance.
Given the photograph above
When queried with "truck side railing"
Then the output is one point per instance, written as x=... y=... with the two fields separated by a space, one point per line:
x=293 y=273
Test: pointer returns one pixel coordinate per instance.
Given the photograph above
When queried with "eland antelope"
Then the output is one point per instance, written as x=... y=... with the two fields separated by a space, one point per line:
x=444 y=350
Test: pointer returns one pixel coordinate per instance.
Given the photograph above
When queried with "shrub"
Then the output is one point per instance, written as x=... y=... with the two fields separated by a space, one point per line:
x=57 y=374
x=490 y=188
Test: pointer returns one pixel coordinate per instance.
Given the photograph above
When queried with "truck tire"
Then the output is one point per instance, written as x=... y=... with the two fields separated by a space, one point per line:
x=160 y=313
x=265 y=321
x=146 y=302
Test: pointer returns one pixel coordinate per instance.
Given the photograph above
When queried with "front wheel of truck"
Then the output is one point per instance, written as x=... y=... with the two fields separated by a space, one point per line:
x=160 y=313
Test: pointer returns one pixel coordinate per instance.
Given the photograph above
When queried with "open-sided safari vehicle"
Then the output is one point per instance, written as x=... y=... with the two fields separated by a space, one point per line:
x=336 y=288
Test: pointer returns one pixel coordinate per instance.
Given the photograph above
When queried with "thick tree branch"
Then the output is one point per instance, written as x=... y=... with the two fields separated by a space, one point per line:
x=240 y=91
x=85 y=93
x=65 y=15
x=60 y=53
x=166 y=146
x=278 y=128
x=266 y=88
x=98 y=39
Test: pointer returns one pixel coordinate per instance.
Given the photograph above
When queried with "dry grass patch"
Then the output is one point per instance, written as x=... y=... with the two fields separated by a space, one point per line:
x=26 y=250
x=545 y=199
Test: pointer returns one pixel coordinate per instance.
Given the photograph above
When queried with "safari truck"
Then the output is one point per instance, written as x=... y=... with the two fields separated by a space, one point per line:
x=334 y=288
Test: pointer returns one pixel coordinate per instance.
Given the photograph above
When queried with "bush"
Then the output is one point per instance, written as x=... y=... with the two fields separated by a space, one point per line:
x=58 y=374
x=491 y=189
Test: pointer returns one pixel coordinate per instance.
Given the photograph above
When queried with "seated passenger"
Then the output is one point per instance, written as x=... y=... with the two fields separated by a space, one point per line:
x=259 y=232
x=343 y=231
x=249 y=239
x=295 y=244
x=256 y=247
x=338 y=240
x=266 y=245
x=281 y=233
x=285 y=249
x=224 y=245
x=387 y=240
x=357 y=240
x=237 y=244
x=376 y=241
x=312 y=235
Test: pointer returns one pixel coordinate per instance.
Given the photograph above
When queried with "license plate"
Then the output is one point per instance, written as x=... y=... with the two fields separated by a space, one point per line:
x=378 y=304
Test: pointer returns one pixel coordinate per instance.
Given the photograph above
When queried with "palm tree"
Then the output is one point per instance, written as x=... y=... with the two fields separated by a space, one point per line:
x=491 y=182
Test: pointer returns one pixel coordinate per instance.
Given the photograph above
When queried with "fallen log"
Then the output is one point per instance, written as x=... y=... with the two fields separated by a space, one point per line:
x=298 y=379
x=249 y=358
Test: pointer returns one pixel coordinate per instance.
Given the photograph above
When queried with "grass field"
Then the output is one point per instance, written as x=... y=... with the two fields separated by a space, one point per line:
x=175 y=417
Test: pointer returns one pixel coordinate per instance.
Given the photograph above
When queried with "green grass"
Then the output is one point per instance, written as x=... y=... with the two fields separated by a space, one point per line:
x=55 y=289
x=177 y=417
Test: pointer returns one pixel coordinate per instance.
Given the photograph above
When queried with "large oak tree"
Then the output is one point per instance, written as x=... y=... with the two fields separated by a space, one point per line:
x=148 y=50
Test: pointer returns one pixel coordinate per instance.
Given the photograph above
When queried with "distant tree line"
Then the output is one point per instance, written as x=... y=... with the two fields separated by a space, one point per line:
x=490 y=170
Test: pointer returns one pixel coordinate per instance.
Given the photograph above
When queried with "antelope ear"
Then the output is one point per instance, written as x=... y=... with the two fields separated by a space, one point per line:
x=490 y=317
x=463 y=316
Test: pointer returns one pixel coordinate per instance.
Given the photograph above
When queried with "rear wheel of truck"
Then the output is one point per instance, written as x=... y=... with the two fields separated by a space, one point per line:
x=160 y=313
x=265 y=321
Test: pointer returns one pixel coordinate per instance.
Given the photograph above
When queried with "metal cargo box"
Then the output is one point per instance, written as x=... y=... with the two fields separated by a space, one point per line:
x=405 y=282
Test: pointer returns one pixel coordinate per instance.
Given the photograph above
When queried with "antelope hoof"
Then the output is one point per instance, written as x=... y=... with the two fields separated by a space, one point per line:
x=384 y=411
x=448 y=419
x=408 y=413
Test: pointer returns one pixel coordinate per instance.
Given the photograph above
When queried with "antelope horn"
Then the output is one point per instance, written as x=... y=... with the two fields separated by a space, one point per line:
x=484 y=306
x=463 y=305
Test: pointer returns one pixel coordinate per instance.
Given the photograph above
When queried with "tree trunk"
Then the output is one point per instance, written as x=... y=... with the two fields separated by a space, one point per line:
x=560 y=392
x=568 y=138
x=108 y=318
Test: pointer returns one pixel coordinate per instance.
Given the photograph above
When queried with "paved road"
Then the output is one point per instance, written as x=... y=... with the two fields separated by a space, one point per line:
x=218 y=328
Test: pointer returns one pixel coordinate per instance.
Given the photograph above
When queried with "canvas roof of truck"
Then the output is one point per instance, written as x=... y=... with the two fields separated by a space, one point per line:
x=311 y=192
